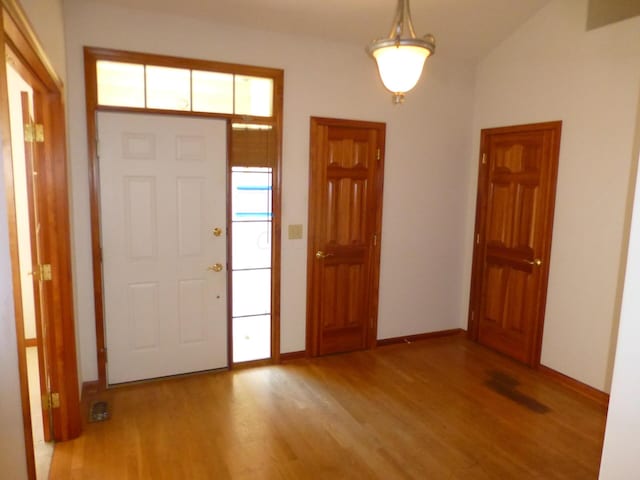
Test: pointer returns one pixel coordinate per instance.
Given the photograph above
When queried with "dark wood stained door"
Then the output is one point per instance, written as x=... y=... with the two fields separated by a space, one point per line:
x=345 y=205
x=514 y=220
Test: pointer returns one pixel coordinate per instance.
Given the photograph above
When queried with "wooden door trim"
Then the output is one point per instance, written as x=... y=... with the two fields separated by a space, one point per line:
x=555 y=127
x=19 y=40
x=91 y=56
x=312 y=227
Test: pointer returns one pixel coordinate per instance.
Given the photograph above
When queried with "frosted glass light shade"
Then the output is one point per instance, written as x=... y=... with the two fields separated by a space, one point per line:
x=400 y=66
x=400 y=57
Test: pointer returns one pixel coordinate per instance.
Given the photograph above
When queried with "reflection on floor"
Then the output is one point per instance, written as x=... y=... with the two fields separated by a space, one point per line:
x=43 y=450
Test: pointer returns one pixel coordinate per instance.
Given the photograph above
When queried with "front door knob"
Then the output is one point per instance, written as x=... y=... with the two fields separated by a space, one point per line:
x=216 y=267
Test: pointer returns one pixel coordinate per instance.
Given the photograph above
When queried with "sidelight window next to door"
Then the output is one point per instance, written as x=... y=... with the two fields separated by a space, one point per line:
x=251 y=222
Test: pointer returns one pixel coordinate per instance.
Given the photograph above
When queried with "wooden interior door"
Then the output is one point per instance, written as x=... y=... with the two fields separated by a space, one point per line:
x=163 y=193
x=514 y=221
x=33 y=157
x=345 y=215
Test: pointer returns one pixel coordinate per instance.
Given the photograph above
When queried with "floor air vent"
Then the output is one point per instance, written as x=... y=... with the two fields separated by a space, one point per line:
x=98 y=412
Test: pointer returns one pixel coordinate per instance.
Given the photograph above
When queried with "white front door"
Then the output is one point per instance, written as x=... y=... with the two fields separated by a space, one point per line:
x=162 y=194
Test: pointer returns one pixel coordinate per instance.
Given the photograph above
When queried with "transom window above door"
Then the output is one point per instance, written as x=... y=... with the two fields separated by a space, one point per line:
x=250 y=99
x=136 y=85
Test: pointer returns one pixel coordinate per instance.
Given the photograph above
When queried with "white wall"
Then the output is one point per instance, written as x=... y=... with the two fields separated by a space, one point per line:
x=620 y=459
x=46 y=18
x=551 y=69
x=13 y=462
x=17 y=85
x=427 y=150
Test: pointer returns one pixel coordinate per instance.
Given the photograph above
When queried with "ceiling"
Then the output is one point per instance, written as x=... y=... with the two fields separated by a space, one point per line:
x=465 y=29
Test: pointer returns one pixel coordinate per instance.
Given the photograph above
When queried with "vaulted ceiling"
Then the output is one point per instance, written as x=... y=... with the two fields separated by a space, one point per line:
x=465 y=29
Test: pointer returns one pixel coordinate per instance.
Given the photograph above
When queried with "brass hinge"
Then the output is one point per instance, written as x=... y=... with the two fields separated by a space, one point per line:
x=50 y=401
x=375 y=239
x=34 y=132
x=43 y=272
x=477 y=239
x=484 y=158
x=378 y=155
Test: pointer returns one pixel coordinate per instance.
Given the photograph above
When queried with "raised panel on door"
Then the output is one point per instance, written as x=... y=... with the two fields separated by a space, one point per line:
x=516 y=196
x=506 y=319
x=163 y=190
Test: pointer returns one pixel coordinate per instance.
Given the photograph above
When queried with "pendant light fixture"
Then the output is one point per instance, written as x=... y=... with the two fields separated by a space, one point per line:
x=401 y=56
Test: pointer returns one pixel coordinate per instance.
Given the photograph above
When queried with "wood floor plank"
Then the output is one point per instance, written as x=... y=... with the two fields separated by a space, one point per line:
x=442 y=408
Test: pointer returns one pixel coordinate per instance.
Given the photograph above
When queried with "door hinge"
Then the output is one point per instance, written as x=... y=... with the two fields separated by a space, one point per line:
x=375 y=239
x=378 y=155
x=42 y=272
x=477 y=239
x=34 y=132
x=484 y=158
x=50 y=401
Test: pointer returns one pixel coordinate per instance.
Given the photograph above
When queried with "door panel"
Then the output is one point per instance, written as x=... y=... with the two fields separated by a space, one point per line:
x=516 y=196
x=163 y=192
x=344 y=224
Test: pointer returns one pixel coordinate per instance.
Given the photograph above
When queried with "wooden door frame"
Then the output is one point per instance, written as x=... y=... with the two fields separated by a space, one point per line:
x=312 y=227
x=477 y=270
x=18 y=36
x=91 y=56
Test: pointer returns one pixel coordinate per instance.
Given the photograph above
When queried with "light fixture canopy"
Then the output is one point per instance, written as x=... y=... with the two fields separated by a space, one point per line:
x=400 y=57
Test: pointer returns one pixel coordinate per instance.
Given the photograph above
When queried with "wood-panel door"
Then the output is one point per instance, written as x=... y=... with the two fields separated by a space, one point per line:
x=514 y=221
x=345 y=215
x=163 y=192
x=32 y=159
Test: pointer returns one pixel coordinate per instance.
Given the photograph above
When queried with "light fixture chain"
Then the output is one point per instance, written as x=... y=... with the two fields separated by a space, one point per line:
x=402 y=21
x=400 y=56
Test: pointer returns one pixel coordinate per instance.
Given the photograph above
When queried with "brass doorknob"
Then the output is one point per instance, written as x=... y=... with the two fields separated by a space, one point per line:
x=217 y=232
x=321 y=254
x=216 y=267
x=537 y=262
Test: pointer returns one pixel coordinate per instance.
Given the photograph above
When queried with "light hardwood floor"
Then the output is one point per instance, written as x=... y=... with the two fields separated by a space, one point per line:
x=426 y=410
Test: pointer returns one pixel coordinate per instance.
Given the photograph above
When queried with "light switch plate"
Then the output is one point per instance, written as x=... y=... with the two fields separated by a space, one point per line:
x=295 y=232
